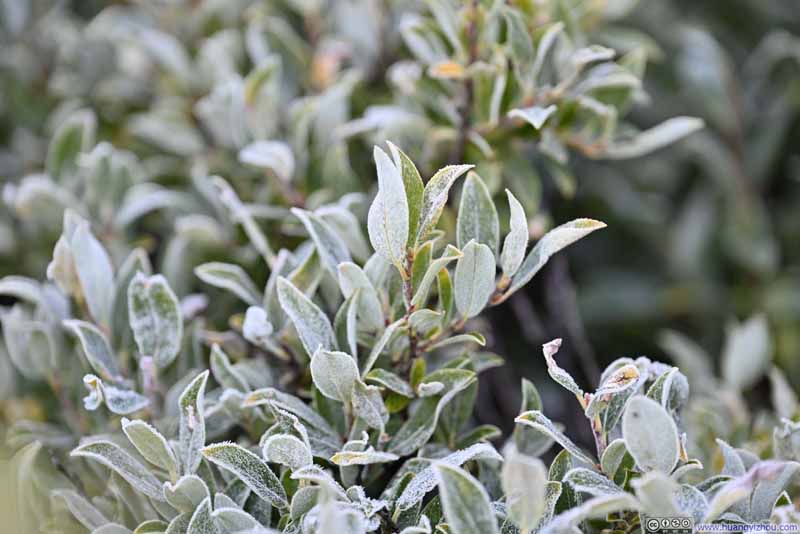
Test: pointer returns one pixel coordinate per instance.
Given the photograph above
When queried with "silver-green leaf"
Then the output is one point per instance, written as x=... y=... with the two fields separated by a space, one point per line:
x=155 y=317
x=311 y=323
x=251 y=469
x=474 y=279
x=465 y=502
x=651 y=435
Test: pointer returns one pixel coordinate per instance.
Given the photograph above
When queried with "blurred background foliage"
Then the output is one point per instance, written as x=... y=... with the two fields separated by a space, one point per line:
x=156 y=96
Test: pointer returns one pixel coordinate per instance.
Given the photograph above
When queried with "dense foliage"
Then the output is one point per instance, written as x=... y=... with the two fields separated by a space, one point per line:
x=254 y=245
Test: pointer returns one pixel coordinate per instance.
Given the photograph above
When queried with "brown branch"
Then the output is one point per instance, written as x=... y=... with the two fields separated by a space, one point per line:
x=465 y=111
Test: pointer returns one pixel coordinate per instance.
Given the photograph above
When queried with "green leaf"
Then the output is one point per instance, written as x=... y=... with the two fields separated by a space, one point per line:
x=613 y=456
x=412 y=182
x=536 y=116
x=370 y=309
x=474 y=279
x=81 y=509
x=73 y=136
x=231 y=278
x=251 y=469
x=746 y=486
x=622 y=379
x=465 y=503
x=129 y=468
x=434 y=197
x=232 y=519
x=155 y=317
x=587 y=481
x=151 y=445
x=596 y=508
x=22 y=288
x=419 y=428
x=543 y=47
x=524 y=483
x=119 y=401
x=96 y=349
x=447 y=21
x=656 y=492
x=287 y=450
x=657 y=137
x=521 y=46
x=390 y=381
x=421 y=290
x=256 y=327
x=553 y=241
x=95 y=273
x=331 y=248
x=202 y=522
x=187 y=493
x=192 y=425
x=311 y=323
x=769 y=489
x=315 y=473
x=388 y=218
x=239 y=214
x=527 y=440
x=558 y=374
x=368 y=405
x=367 y=457
x=152 y=526
x=224 y=373
x=477 y=215
x=387 y=335
x=273 y=155
x=334 y=374
x=469 y=337
x=517 y=239
x=747 y=352
x=425 y=480
x=179 y=524
x=136 y=262
x=535 y=419
x=650 y=434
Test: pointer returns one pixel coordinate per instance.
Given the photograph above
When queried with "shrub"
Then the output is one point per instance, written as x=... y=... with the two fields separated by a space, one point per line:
x=340 y=397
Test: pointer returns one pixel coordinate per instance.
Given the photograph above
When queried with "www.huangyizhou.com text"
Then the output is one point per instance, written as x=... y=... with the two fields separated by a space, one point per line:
x=765 y=528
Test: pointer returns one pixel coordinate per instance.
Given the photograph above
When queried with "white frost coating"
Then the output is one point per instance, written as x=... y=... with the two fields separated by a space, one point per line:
x=558 y=374
x=316 y=474
x=434 y=197
x=367 y=457
x=425 y=480
x=287 y=450
x=129 y=468
x=330 y=247
x=312 y=325
x=517 y=239
x=334 y=373
x=465 y=503
x=256 y=327
x=651 y=435
x=155 y=318
x=387 y=220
